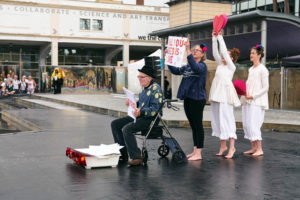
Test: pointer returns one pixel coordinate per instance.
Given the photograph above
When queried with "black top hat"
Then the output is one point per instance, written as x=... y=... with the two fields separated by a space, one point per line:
x=146 y=69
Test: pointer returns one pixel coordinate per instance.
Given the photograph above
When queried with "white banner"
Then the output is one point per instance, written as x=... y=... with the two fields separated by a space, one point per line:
x=176 y=49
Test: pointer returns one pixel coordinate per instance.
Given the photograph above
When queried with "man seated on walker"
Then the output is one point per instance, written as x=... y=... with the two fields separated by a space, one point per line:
x=124 y=129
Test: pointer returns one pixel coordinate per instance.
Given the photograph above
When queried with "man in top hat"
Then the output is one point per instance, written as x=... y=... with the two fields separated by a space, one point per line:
x=124 y=129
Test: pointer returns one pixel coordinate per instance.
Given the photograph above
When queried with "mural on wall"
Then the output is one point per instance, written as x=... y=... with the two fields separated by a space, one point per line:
x=84 y=79
x=7 y=69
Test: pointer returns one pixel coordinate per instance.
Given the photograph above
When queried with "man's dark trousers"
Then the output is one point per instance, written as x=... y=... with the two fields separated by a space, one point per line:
x=124 y=129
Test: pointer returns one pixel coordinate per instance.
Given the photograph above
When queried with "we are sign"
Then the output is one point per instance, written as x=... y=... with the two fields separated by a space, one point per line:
x=176 y=48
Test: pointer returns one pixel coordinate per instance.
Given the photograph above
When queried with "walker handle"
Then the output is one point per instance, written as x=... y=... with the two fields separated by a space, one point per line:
x=170 y=100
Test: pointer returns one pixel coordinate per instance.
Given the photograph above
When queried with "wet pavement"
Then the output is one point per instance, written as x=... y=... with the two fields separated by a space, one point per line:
x=113 y=104
x=33 y=165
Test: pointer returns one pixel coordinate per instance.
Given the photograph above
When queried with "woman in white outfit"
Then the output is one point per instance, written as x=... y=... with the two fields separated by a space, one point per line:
x=223 y=96
x=16 y=84
x=31 y=85
x=23 y=85
x=256 y=102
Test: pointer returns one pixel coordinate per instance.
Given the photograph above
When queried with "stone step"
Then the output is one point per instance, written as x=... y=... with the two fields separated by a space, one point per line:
x=112 y=104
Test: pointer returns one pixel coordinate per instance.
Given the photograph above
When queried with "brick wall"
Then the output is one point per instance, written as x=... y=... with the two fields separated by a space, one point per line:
x=179 y=13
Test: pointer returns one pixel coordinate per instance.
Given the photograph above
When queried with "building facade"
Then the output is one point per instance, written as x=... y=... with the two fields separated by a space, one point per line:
x=247 y=27
x=68 y=32
x=185 y=12
x=290 y=6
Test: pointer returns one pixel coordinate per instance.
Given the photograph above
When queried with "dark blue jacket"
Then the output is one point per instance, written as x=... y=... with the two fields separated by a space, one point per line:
x=150 y=100
x=193 y=82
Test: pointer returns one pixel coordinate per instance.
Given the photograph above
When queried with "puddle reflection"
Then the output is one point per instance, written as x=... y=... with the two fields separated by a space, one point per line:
x=77 y=180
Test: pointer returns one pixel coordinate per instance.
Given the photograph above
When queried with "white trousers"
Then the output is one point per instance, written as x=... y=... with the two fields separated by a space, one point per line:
x=222 y=120
x=253 y=119
x=30 y=91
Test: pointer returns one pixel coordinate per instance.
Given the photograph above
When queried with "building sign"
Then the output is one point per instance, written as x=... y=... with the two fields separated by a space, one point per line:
x=80 y=13
x=79 y=23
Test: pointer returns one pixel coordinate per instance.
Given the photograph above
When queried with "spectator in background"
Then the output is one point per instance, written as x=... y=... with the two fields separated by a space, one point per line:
x=31 y=85
x=2 y=88
x=167 y=91
x=10 y=88
x=57 y=80
x=23 y=85
x=16 y=84
x=7 y=79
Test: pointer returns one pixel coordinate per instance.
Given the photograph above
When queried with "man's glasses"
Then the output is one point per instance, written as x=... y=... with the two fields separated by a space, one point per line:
x=142 y=77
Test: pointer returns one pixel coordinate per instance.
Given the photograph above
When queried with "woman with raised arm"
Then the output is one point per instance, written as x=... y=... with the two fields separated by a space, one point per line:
x=223 y=96
x=256 y=101
x=192 y=91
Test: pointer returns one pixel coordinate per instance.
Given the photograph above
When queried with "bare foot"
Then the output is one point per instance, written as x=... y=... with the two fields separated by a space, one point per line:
x=230 y=153
x=190 y=155
x=221 y=151
x=258 y=153
x=195 y=157
x=249 y=152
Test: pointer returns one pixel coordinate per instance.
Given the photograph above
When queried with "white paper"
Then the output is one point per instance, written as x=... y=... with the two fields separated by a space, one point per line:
x=176 y=49
x=132 y=102
x=101 y=150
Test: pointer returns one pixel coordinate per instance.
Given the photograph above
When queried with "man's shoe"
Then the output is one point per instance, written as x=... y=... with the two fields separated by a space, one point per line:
x=124 y=157
x=136 y=161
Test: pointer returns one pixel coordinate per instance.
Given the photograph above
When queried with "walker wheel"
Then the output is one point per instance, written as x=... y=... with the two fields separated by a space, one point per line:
x=178 y=157
x=145 y=155
x=163 y=150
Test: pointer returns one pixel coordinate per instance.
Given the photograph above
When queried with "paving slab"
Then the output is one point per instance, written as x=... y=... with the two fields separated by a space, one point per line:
x=49 y=104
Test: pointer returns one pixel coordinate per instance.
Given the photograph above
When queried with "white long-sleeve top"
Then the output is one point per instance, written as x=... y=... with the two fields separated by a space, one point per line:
x=258 y=86
x=222 y=89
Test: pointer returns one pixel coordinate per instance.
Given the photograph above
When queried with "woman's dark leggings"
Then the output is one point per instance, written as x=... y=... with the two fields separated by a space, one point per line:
x=194 y=112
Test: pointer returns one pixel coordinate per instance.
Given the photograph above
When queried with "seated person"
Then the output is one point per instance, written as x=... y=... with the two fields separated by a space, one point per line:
x=124 y=129
x=10 y=88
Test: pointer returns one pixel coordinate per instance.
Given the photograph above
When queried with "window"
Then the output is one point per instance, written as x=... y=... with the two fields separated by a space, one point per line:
x=85 y=24
x=97 y=25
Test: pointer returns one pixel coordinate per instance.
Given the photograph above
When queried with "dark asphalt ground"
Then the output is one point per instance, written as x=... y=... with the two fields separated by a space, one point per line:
x=33 y=165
